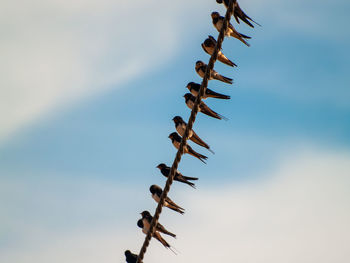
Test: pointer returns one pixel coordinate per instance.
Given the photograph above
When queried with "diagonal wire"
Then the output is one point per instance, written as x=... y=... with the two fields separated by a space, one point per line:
x=191 y=120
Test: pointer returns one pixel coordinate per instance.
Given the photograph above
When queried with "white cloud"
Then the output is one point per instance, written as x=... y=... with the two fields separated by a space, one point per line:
x=55 y=52
x=297 y=213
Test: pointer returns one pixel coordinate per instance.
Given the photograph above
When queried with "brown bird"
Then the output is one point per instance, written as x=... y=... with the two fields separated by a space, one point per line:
x=209 y=45
x=165 y=170
x=201 y=67
x=238 y=12
x=195 y=87
x=176 y=140
x=190 y=99
x=156 y=192
x=218 y=22
x=180 y=126
x=147 y=219
x=156 y=234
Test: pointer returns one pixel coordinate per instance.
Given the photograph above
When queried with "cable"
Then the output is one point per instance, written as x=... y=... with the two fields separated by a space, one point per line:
x=191 y=120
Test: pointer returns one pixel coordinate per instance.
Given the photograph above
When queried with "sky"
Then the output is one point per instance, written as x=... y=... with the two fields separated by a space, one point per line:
x=87 y=93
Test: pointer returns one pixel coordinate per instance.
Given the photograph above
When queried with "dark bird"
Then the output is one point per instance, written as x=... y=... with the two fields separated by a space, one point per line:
x=147 y=219
x=180 y=126
x=238 y=12
x=209 y=45
x=218 y=22
x=201 y=67
x=190 y=99
x=165 y=170
x=156 y=234
x=195 y=87
x=156 y=192
x=130 y=257
x=176 y=140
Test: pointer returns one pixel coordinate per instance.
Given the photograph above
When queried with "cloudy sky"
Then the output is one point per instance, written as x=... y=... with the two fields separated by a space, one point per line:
x=87 y=93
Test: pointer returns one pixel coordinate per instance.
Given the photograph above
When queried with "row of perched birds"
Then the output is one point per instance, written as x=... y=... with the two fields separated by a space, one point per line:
x=180 y=125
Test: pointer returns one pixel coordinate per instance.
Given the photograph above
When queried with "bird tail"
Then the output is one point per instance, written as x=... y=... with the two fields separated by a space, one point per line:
x=190 y=178
x=223 y=79
x=176 y=209
x=242 y=39
x=213 y=94
x=245 y=36
x=222 y=58
x=195 y=138
x=190 y=184
x=168 y=233
x=201 y=157
x=246 y=19
x=161 y=239
x=173 y=206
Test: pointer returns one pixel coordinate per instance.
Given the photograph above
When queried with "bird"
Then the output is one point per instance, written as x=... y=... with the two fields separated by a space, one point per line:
x=218 y=22
x=157 y=191
x=176 y=140
x=147 y=219
x=165 y=170
x=195 y=87
x=130 y=257
x=201 y=67
x=180 y=126
x=209 y=45
x=156 y=234
x=190 y=99
x=238 y=12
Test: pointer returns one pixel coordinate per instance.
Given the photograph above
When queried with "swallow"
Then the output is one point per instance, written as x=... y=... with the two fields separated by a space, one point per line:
x=209 y=45
x=238 y=12
x=176 y=140
x=130 y=257
x=156 y=234
x=218 y=21
x=147 y=219
x=165 y=170
x=195 y=87
x=190 y=99
x=201 y=67
x=156 y=192
x=180 y=126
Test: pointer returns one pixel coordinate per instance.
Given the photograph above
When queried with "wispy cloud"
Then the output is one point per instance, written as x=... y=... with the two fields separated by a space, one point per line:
x=298 y=213
x=54 y=52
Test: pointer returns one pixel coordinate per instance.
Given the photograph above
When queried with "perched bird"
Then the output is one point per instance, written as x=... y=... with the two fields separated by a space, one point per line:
x=190 y=99
x=156 y=192
x=176 y=140
x=156 y=234
x=201 y=67
x=130 y=257
x=180 y=126
x=147 y=219
x=218 y=22
x=238 y=12
x=209 y=45
x=165 y=170
x=195 y=87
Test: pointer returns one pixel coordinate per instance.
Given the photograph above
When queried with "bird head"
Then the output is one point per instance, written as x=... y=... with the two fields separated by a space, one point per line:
x=161 y=166
x=145 y=214
x=127 y=253
x=155 y=188
x=199 y=63
x=190 y=85
x=178 y=119
x=219 y=1
x=215 y=15
x=172 y=135
x=188 y=96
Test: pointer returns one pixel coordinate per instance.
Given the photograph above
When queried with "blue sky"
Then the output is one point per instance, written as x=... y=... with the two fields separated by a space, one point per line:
x=87 y=104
